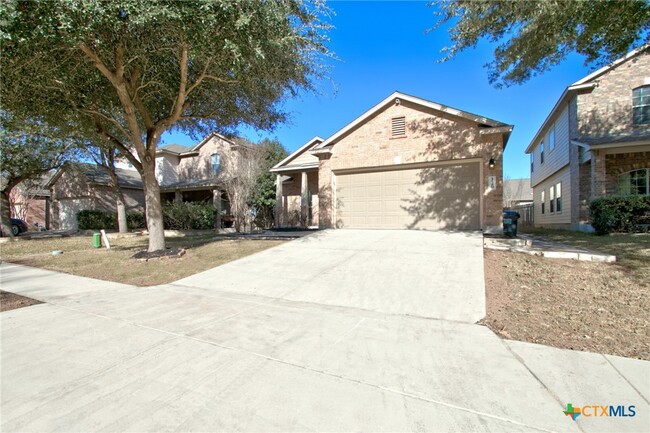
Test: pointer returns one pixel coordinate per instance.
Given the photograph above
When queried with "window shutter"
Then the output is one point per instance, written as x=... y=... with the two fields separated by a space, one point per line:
x=398 y=127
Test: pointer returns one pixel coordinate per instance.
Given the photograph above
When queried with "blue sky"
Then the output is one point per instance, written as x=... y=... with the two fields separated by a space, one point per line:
x=382 y=47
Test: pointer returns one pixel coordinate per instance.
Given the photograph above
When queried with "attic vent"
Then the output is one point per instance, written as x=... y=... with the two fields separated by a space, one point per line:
x=398 y=127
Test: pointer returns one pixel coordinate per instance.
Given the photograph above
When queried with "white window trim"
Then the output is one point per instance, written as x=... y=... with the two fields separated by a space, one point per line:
x=551 y=143
x=551 y=199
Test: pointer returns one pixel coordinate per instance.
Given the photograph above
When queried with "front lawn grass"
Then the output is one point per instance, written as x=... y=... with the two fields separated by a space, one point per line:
x=632 y=250
x=80 y=258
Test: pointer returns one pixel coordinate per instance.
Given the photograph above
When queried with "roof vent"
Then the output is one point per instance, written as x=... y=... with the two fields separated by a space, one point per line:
x=398 y=127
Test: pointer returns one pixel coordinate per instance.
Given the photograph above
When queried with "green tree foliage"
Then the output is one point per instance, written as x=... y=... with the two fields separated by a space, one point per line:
x=129 y=70
x=263 y=196
x=27 y=150
x=533 y=36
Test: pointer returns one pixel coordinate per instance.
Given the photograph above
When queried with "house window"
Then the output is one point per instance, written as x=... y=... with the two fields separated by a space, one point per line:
x=636 y=182
x=641 y=105
x=215 y=159
x=551 y=138
x=551 y=197
x=532 y=162
x=541 y=152
x=543 y=202
x=398 y=127
x=558 y=197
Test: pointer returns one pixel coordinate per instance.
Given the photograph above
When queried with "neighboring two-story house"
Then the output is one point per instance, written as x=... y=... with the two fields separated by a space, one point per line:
x=197 y=173
x=193 y=174
x=594 y=142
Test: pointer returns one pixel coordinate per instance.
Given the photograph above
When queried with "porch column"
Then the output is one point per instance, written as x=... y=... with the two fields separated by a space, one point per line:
x=325 y=193
x=598 y=174
x=216 y=202
x=278 y=201
x=178 y=196
x=304 y=200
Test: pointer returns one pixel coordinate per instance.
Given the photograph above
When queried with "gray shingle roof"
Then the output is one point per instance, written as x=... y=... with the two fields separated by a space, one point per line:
x=176 y=148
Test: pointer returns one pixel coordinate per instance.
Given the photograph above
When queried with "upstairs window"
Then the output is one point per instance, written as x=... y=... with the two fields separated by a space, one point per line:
x=641 y=105
x=532 y=162
x=551 y=138
x=636 y=182
x=398 y=127
x=215 y=160
x=541 y=152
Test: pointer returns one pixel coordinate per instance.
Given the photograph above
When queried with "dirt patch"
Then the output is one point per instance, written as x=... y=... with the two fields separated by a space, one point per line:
x=11 y=301
x=570 y=304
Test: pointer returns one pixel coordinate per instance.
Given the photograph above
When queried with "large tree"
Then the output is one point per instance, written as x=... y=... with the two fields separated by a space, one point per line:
x=533 y=36
x=28 y=149
x=139 y=68
x=263 y=195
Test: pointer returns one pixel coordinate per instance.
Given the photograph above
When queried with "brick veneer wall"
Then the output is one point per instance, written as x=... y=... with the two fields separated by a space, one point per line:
x=606 y=112
x=430 y=136
x=618 y=164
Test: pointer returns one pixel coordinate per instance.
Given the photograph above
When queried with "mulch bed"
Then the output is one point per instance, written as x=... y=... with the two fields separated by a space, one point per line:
x=11 y=301
x=168 y=253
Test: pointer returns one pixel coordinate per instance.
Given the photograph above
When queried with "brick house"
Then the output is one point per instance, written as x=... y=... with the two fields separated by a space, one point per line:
x=594 y=142
x=405 y=163
x=78 y=186
x=196 y=173
x=187 y=174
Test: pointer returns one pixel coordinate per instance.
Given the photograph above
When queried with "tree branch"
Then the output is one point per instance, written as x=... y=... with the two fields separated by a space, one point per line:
x=177 y=109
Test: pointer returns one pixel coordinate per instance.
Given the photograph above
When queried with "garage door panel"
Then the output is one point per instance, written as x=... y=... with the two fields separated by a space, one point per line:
x=442 y=197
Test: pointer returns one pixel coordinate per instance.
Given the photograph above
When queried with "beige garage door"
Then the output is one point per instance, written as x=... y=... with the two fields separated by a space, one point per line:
x=440 y=197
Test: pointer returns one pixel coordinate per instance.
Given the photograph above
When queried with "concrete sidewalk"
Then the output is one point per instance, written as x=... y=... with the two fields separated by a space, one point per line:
x=104 y=356
x=538 y=246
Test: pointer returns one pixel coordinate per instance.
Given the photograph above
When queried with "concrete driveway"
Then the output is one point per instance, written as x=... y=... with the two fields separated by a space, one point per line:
x=416 y=273
x=264 y=356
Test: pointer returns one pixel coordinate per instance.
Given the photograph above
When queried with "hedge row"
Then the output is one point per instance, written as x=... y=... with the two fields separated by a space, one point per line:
x=176 y=216
x=188 y=216
x=620 y=214
x=96 y=220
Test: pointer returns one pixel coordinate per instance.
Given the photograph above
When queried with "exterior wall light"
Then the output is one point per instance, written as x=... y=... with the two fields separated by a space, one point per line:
x=491 y=163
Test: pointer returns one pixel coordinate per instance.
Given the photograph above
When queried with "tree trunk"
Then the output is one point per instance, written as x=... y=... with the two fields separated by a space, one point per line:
x=153 y=206
x=5 y=213
x=122 y=224
x=120 y=203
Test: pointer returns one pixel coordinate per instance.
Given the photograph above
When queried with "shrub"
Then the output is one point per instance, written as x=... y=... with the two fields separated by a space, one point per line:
x=620 y=214
x=95 y=220
x=136 y=220
x=188 y=216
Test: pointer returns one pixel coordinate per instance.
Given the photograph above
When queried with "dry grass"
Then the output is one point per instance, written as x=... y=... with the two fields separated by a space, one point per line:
x=632 y=251
x=573 y=304
x=80 y=258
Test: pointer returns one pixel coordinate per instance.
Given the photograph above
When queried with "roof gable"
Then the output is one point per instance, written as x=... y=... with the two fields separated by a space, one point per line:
x=292 y=157
x=586 y=84
x=397 y=97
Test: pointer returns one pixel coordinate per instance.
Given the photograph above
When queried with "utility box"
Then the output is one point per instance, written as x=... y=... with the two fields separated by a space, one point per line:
x=97 y=240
